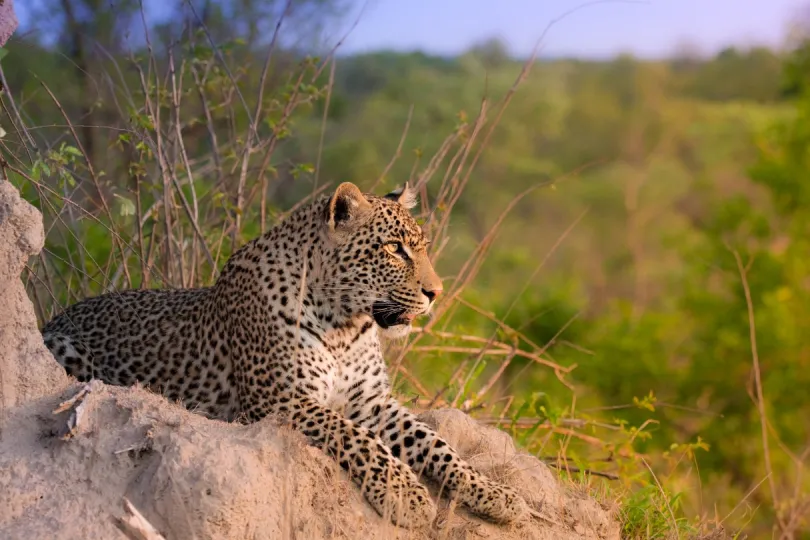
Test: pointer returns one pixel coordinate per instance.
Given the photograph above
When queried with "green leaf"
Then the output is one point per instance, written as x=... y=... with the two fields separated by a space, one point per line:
x=125 y=206
x=72 y=150
x=44 y=168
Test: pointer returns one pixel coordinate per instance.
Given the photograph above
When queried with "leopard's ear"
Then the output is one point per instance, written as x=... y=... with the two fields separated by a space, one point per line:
x=347 y=209
x=406 y=196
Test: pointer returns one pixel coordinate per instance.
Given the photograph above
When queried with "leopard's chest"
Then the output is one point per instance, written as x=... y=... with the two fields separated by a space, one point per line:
x=355 y=369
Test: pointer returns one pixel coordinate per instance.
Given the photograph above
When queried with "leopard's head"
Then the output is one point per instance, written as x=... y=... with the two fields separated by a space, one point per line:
x=379 y=262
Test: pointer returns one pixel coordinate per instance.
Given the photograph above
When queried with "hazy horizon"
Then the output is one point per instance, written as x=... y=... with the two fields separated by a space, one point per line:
x=590 y=30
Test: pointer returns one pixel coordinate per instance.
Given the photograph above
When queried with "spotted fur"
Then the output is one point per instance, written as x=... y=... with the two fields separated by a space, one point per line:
x=292 y=328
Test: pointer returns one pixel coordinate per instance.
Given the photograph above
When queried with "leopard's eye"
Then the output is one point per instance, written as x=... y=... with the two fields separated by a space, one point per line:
x=395 y=248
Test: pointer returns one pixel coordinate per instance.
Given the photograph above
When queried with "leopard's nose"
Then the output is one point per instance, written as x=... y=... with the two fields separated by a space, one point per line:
x=432 y=293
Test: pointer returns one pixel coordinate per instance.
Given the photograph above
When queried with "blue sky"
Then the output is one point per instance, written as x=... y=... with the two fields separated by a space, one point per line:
x=651 y=28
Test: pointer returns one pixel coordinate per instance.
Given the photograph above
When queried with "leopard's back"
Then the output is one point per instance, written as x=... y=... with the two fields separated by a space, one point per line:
x=166 y=339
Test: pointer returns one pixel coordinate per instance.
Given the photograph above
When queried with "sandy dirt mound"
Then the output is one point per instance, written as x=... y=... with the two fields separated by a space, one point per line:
x=27 y=369
x=8 y=21
x=195 y=478
x=66 y=475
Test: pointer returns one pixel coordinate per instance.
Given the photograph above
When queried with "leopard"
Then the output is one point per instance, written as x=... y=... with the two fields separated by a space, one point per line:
x=293 y=328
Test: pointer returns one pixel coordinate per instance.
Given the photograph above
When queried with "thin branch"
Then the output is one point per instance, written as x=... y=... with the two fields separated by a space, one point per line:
x=760 y=398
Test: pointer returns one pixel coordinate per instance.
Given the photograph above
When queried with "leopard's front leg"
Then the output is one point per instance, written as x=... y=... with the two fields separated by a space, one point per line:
x=388 y=484
x=427 y=453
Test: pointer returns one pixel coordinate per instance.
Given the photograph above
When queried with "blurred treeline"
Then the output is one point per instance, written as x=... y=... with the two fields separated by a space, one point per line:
x=670 y=190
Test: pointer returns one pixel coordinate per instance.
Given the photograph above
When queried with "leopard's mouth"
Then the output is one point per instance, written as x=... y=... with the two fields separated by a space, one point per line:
x=388 y=313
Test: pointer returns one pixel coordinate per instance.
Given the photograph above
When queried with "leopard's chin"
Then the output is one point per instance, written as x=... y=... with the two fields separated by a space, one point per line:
x=396 y=332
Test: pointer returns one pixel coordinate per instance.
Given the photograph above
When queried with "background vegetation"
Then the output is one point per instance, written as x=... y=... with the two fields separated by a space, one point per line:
x=625 y=243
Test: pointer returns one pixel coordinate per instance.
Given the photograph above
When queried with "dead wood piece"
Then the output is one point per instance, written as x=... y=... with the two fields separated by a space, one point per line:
x=76 y=406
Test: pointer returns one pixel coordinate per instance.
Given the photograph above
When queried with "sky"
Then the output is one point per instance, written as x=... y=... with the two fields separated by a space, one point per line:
x=645 y=28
